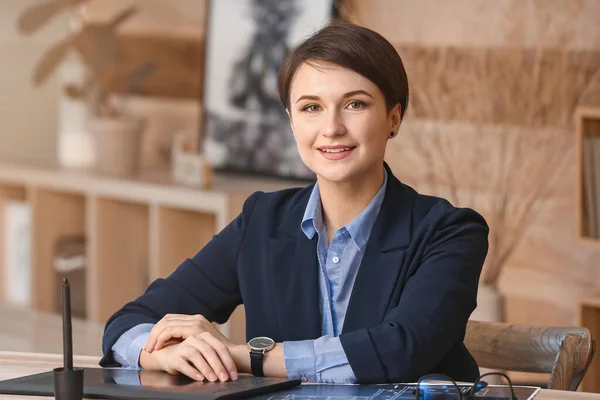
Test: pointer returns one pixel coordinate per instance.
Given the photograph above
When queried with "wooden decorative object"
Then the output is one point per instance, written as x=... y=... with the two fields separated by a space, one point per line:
x=187 y=166
x=565 y=352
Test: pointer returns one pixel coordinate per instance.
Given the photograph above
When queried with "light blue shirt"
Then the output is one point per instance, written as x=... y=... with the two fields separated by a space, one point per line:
x=323 y=359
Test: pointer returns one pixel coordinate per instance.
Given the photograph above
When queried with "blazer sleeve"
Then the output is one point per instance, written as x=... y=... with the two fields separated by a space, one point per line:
x=434 y=307
x=207 y=284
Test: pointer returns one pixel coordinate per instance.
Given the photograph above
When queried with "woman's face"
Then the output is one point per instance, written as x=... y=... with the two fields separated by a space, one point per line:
x=340 y=122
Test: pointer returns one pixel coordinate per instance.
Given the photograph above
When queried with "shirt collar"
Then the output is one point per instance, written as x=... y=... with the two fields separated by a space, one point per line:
x=359 y=229
x=312 y=222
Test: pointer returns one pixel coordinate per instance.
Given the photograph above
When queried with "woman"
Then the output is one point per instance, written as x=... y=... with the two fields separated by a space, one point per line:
x=357 y=278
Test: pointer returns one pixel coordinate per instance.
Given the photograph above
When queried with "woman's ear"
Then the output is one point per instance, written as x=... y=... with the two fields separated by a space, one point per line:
x=395 y=118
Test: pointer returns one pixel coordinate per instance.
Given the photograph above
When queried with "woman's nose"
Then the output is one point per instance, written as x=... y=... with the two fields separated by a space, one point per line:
x=334 y=125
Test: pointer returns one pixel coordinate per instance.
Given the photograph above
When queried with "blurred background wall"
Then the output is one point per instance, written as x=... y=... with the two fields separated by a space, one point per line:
x=490 y=123
x=491 y=126
x=494 y=86
x=28 y=116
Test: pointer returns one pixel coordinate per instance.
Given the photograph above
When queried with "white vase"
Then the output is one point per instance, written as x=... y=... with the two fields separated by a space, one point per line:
x=118 y=143
x=75 y=144
x=75 y=149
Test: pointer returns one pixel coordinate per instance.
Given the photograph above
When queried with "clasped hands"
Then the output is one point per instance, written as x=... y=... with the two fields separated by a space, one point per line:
x=193 y=346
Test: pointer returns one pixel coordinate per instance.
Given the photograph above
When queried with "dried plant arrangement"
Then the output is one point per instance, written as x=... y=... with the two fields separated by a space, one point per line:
x=116 y=134
x=498 y=131
x=97 y=45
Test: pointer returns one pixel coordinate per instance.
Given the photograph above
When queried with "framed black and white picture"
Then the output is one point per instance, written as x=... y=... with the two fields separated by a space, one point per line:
x=245 y=127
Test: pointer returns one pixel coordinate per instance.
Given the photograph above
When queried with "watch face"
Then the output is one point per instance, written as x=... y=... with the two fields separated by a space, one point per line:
x=261 y=343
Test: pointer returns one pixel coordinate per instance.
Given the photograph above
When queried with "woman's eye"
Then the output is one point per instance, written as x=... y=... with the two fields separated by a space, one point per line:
x=356 y=105
x=311 y=108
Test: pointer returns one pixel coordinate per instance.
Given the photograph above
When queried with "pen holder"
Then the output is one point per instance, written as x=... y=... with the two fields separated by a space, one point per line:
x=68 y=384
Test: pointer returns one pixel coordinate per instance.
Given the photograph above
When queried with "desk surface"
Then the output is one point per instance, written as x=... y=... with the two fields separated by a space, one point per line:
x=24 y=330
x=13 y=365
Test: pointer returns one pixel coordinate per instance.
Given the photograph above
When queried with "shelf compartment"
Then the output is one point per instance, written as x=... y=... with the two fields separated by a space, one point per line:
x=54 y=215
x=179 y=235
x=118 y=255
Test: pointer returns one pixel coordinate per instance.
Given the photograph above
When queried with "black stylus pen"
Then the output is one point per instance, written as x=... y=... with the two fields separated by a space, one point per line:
x=68 y=381
x=67 y=332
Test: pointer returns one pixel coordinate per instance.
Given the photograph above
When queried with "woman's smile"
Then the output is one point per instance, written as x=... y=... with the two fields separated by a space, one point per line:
x=336 y=152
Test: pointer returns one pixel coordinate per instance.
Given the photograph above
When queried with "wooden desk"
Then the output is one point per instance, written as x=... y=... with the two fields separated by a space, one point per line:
x=13 y=365
x=27 y=331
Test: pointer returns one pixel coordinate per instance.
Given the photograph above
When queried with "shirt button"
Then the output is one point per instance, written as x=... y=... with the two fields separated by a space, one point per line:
x=336 y=260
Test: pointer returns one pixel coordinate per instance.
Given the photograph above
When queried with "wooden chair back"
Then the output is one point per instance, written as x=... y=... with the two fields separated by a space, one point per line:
x=564 y=352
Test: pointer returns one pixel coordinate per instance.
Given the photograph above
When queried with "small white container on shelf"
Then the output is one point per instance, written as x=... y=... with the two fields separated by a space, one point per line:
x=188 y=167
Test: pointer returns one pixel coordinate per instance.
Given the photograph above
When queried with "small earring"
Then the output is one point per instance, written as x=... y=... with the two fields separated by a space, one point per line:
x=392 y=134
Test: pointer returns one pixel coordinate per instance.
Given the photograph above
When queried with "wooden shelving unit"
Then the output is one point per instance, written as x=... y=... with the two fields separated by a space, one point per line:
x=589 y=317
x=136 y=230
x=587 y=129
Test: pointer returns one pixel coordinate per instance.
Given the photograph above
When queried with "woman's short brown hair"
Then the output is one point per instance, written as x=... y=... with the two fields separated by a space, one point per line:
x=351 y=46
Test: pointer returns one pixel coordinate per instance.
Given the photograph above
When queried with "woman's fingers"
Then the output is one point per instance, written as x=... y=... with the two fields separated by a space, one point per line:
x=203 y=352
x=174 y=326
x=198 y=360
x=180 y=364
x=156 y=330
x=177 y=332
x=223 y=354
x=160 y=334
x=213 y=360
x=209 y=356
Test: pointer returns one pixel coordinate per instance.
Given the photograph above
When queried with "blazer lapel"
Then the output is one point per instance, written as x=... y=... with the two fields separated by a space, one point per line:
x=294 y=269
x=382 y=264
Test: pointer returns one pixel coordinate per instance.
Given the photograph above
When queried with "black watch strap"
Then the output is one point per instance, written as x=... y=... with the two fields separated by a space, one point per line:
x=256 y=362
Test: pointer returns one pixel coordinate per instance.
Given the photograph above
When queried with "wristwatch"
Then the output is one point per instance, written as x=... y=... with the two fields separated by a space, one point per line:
x=258 y=347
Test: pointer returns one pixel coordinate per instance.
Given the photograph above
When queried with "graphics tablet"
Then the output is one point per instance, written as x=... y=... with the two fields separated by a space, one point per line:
x=133 y=384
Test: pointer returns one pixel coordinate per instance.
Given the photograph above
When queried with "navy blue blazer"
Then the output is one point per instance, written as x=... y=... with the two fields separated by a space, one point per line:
x=414 y=292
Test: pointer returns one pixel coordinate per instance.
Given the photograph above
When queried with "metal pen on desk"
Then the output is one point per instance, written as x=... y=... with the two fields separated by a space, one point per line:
x=68 y=381
x=67 y=328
